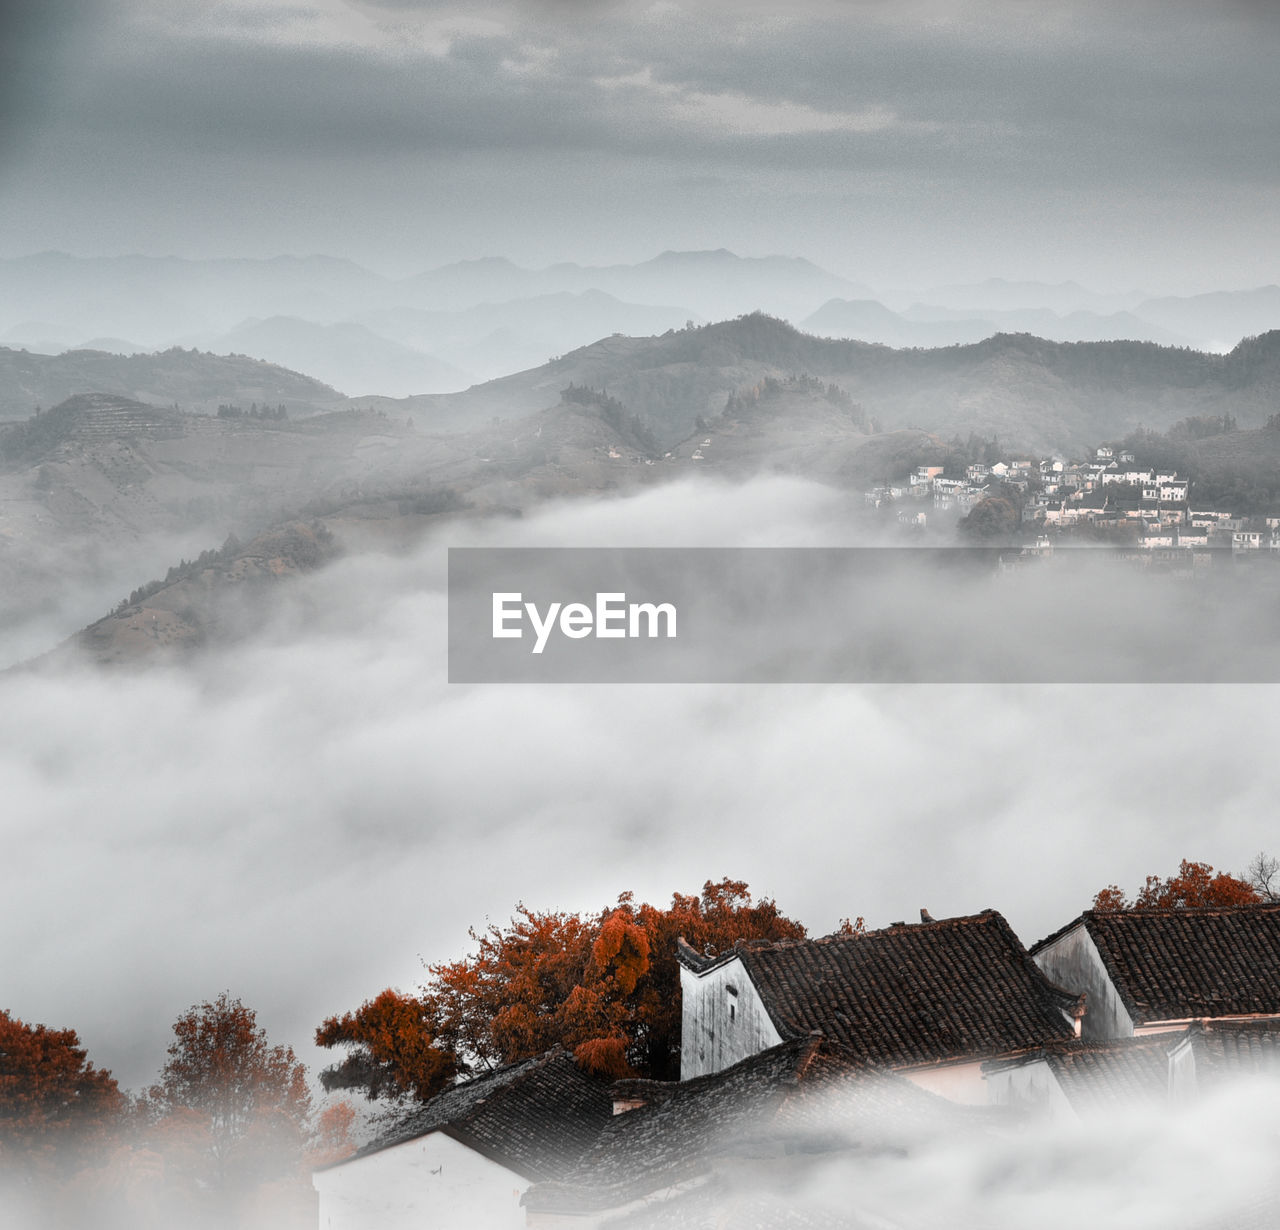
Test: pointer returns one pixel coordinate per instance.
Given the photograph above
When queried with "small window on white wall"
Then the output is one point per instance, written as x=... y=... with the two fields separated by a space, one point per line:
x=733 y=1000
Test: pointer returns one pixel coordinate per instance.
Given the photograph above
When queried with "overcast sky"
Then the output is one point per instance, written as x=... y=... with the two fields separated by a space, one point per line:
x=900 y=143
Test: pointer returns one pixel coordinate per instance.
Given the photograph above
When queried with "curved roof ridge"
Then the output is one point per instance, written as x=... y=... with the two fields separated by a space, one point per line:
x=1166 y=911
x=913 y=993
x=1173 y=964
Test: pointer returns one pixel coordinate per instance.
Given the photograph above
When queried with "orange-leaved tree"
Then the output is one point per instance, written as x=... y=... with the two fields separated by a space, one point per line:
x=392 y=1048
x=606 y=986
x=236 y=1108
x=1195 y=885
x=332 y=1139
x=55 y=1106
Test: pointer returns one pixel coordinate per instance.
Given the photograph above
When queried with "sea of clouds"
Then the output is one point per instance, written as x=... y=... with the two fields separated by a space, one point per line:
x=304 y=817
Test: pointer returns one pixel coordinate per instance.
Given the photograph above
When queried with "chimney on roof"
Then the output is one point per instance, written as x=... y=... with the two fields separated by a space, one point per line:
x=925 y=916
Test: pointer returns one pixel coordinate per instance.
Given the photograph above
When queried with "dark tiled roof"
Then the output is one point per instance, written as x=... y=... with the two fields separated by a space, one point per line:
x=536 y=1118
x=1101 y=1077
x=1169 y=965
x=1236 y=1048
x=950 y=989
x=1104 y=1076
x=808 y=1095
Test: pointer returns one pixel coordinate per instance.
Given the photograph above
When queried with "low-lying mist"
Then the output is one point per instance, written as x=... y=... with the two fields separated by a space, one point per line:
x=305 y=816
x=1208 y=1166
x=51 y=593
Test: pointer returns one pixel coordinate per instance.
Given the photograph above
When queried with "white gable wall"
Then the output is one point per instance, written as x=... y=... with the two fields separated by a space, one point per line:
x=430 y=1182
x=723 y=1020
x=957 y=1082
x=1182 y=1073
x=1031 y=1086
x=1074 y=963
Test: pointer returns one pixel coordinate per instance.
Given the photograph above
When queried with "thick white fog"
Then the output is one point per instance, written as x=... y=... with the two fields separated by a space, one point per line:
x=303 y=818
x=1203 y=1169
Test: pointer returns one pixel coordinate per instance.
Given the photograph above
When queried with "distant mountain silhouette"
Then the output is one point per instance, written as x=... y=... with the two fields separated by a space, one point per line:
x=348 y=356
x=1034 y=394
x=1219 y=319
x=927 y=325
x=494 y=339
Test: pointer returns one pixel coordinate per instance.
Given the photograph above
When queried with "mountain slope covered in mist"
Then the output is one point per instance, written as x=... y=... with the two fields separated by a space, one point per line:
x=496 y=338
x=1034 y=394
x=347 y=356
x=188 y=378
x=119 y=482
x=100 y=492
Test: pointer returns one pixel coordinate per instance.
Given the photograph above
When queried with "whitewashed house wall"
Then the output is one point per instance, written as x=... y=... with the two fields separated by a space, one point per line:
x=1032 y=1086
x=429 y=1183
x=957 y=1082
x=1073 y=962
x=722 y=1019
x=1182 y=1073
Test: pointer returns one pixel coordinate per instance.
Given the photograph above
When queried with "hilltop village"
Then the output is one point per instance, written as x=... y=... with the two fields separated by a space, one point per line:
x=1105 y=500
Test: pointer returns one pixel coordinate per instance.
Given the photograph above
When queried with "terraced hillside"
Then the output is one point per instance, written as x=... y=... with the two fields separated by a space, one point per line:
x=188 y=379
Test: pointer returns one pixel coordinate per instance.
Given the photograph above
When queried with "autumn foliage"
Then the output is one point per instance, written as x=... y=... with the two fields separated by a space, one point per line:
x=333 y=1138
x=1195 y=885
x=392 y=1049
x=225 y=1138
x=56 y=1108
x=605 y=985
x=229 y=1108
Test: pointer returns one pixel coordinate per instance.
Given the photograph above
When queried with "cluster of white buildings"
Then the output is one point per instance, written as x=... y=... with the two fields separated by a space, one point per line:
x=1149 y=508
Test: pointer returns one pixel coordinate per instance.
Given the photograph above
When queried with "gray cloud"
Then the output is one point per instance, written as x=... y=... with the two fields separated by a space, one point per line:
x=896 y=143
x=37 y=42
x=1099 y=105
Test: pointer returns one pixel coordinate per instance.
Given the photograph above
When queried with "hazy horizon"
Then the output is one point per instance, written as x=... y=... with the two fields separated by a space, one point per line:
x=902 y=145
x=900 y=290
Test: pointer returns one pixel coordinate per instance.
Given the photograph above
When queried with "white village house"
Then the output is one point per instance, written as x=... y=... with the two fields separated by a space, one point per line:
x=806 y=1048
x=932 y=1000
x=690 y=1153
x=466 y=1158
x=1081 y=1080
x=1177 y=999
x=1147 y=971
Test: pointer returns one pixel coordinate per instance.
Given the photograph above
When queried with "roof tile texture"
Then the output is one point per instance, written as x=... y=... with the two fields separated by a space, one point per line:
x=536 y=1118
x=807 y=1094
x=1174 y=964
x=952 y=989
